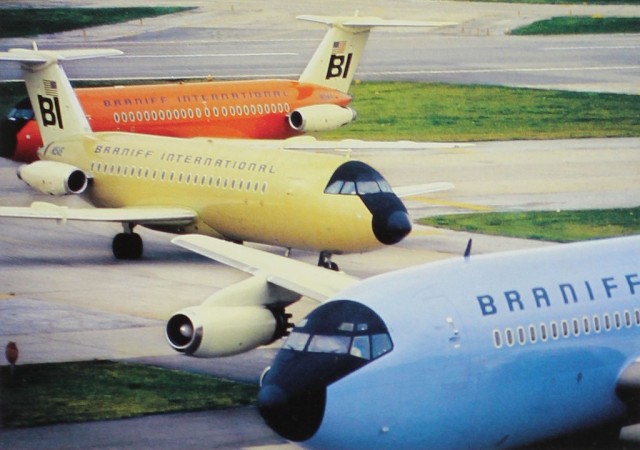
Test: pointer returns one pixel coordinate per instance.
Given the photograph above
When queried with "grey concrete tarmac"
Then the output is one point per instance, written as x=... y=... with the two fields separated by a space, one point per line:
x=256 y=39
x=232 y=429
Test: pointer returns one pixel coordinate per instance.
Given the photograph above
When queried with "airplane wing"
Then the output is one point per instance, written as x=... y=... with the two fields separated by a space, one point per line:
x=138 y=215
x=314 y=282
x=311 y=143
x=419 y=189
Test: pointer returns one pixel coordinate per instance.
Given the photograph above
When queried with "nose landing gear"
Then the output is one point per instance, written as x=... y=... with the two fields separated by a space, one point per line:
x=325 y=261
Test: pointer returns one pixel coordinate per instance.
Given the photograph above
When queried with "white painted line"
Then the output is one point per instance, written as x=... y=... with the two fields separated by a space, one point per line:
x=504 y=70
x=204 y=55
x=592 y=47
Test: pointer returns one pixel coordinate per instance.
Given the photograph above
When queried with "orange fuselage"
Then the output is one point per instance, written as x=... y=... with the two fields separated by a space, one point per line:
x=235 y=109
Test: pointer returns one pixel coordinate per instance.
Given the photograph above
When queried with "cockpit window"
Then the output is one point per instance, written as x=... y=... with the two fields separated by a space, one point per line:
x=329 y=344
x=22 y=110
x=297 y=341
x=380 y=344
x=342 y=328
x=355 y=177
x=361 y=347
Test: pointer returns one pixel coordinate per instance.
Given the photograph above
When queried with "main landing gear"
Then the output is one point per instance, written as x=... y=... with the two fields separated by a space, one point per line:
x=325 y=261
x=127 y=245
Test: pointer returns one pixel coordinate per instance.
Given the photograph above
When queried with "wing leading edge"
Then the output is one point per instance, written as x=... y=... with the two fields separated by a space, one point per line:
x=311 y=281
x=138 y=215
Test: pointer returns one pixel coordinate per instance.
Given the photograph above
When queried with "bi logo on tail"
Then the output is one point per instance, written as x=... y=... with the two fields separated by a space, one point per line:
x=50 y=105
x=339 y=62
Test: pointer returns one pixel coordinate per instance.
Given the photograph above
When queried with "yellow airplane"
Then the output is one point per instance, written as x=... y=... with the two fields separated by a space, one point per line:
x=232 y=189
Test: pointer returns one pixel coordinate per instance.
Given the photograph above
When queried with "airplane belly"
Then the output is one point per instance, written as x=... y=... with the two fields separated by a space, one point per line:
x=296 y=221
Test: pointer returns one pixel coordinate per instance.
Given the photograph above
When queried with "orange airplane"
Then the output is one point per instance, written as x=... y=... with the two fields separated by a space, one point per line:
x=261 y=109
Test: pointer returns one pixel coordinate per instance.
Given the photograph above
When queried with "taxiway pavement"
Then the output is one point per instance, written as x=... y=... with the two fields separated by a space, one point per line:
x=253 y=39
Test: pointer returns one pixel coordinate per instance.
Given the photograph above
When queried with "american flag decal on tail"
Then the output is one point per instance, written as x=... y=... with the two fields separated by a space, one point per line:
x=338 y=47
x=50 y=88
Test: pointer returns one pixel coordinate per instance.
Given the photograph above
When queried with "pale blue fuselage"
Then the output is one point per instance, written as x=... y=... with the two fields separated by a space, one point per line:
x=539 y=358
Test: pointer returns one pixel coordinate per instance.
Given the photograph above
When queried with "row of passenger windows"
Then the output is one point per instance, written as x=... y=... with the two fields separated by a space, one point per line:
x=567 y=328
x=179 y=177
x=198 y=113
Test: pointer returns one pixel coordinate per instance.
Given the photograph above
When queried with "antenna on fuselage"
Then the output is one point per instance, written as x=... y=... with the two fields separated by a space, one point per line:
x=467 y=251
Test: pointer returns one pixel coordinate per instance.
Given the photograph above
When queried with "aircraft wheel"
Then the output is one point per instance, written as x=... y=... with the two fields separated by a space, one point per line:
x=333 y=266
x=325 y=261
x=127 y=246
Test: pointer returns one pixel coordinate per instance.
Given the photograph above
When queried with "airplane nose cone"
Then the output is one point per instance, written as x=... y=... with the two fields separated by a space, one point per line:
x=8 y=137
x=270 y=399
x=392 y=228
x=294 y=416
x=335 y=340
x=390 y=221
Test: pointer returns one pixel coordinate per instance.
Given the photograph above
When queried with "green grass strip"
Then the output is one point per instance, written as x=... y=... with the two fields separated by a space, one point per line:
x=15 y=22
x=447 y=112
x=558 y=226
x=99 y=390
x=581 y=25
x=444 y=112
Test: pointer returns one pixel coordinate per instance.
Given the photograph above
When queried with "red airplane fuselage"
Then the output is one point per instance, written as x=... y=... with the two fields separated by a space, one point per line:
x=235 y=109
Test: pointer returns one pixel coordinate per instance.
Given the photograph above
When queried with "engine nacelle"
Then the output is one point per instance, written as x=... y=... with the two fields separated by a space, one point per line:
x=212 y=331
x=54 y=178
x=235 y=319
x=320 y=117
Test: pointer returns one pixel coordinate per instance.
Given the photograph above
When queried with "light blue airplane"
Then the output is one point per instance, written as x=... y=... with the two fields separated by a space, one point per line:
x=487 y=351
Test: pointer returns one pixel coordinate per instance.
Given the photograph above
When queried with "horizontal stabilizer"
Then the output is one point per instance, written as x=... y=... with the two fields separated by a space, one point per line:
x=138 y=215
x=419 y=189
x=370 y=22
x=34 y=56
x=311 y=281
x=59 y=114
x=334 y=63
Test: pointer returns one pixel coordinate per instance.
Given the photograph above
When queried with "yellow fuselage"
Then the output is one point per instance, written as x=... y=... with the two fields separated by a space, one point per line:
x=268 y=195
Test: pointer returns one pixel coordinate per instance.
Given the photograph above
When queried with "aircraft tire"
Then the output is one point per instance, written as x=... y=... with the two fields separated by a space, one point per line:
x=127 y=246
x=330 y=265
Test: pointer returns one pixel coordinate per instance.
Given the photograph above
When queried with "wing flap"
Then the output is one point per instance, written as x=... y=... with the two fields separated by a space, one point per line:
x=138 y=215
x=314 y=282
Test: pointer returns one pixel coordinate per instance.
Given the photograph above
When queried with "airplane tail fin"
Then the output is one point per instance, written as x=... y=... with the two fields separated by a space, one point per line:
x=56 y=106
x=338 y=55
